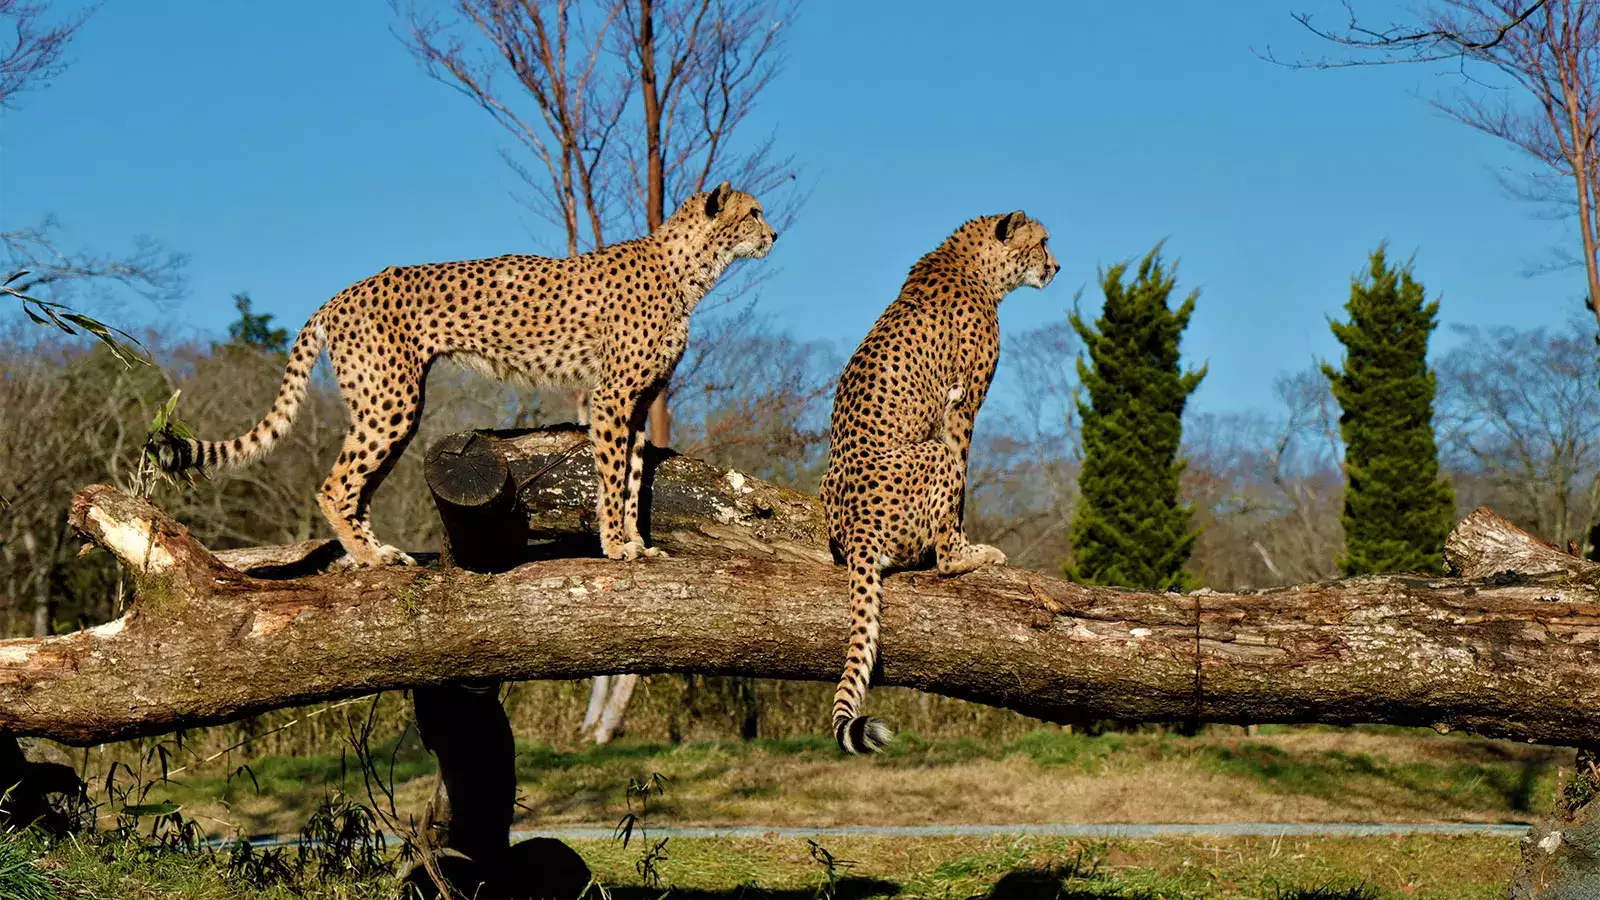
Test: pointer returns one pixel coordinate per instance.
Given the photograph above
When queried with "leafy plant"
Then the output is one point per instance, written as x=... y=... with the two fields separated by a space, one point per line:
x=649 y=863
x=831 y=867
x=124 y=346
x=342 y=839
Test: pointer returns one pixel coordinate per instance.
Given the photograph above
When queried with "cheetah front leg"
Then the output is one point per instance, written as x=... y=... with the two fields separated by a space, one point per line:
x=612 y=429
x=954 y=553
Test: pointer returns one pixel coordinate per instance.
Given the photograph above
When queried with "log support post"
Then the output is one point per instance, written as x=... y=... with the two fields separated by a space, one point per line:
x=40 y=793
x=467 y=826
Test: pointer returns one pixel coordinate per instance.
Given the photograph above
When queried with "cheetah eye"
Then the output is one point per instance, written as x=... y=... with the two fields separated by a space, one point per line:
x=1044 y=242
x=755 y=213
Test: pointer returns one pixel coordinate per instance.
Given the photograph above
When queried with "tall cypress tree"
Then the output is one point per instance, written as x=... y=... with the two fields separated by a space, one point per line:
x=1397 y=510
x=1129 y=528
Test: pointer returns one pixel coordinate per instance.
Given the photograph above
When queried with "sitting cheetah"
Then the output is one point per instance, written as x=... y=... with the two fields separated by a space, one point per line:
x=613 y=322
x=902 y=429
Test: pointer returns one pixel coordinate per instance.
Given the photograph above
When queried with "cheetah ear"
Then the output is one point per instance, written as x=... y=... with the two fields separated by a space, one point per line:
x=717 y=200
x=1009 y=223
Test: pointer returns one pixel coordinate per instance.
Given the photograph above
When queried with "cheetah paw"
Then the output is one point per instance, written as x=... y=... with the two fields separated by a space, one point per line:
x=987 y=555
x=972 y=558
x=393 y=556
x=631 y=550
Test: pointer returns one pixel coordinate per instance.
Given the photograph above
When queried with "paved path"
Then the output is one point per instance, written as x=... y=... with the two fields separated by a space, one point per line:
x=1091 y=832
x=1227 y=829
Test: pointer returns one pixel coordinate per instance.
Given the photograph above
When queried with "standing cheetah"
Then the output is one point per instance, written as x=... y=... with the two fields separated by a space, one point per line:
x=902 y=429
x=613 y=322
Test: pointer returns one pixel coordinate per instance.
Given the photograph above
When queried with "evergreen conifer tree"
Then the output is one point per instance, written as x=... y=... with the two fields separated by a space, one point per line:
x=1129 y=528
x=255 y=329
x=1397 y=510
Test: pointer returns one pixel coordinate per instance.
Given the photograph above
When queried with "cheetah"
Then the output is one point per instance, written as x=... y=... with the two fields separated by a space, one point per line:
x=612 y=323
x=902 y=431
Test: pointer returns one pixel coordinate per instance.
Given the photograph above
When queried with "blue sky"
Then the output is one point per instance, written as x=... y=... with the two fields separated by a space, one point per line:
x=293 y=148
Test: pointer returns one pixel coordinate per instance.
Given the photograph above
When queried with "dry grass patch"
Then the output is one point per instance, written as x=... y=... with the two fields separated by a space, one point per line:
x=1047 y=776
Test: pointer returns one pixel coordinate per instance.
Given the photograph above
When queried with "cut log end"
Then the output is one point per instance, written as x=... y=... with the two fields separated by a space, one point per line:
x=1485 y=545
x=465 y=470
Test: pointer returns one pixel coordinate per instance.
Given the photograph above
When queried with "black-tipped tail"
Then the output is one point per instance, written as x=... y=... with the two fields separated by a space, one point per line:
x=862 y=734
x=172 y=454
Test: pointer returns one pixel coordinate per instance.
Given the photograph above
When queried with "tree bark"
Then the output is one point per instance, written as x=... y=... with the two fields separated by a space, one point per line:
x=1508 y=655
x=687 y=507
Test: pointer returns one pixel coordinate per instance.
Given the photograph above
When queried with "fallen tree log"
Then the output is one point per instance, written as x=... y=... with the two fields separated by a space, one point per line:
x=1500 y=654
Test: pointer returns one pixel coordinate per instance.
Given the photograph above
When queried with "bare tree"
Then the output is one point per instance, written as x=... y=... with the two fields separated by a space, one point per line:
x=1268 y=490
x=754 y=399
x=36 y=53
x=57 y=274
x=1427 y=41
x=1549 y=51
x=38 y=272
x=1520 y=413
x=564 y=109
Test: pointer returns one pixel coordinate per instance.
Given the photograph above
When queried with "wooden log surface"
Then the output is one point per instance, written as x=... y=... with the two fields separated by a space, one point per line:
x=688 y=507
x=1509 y=655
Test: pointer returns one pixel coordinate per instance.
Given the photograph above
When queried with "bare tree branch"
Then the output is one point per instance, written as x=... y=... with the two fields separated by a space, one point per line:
x=35 y=54
x=149 y=270
x=1433 y=42
x=1548 y=50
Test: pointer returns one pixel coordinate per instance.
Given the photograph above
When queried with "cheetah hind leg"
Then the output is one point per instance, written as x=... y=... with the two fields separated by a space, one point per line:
x=354 y=532
x=630 y=511
x=337 y=499
x=371 y=448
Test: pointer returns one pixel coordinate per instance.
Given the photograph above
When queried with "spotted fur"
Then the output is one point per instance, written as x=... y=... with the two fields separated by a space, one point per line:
x=902 y=431
x=613 y=322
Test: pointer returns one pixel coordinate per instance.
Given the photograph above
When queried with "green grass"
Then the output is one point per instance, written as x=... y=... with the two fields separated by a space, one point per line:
x=20 y=878
x=1049 y=775
x=1414 y=868
x=1369 y=869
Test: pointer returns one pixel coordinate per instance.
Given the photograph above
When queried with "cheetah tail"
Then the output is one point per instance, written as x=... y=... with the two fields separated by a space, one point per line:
x=857 y=733
x=175 y=454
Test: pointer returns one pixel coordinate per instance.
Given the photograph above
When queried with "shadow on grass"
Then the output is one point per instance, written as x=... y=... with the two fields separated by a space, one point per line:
x=1071 y=883
x=845 y=889
x=1483 y=776
x=1052 y=884
x=1019 y=884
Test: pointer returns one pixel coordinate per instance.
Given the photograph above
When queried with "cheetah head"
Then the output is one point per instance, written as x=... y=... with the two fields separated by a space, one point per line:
x=730 y=221
x=1024 y=251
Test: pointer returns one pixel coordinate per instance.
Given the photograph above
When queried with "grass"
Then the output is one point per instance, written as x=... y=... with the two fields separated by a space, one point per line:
x=1041 y=776
x=20 y=879
x=1044 y=776
x=1415 y=868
